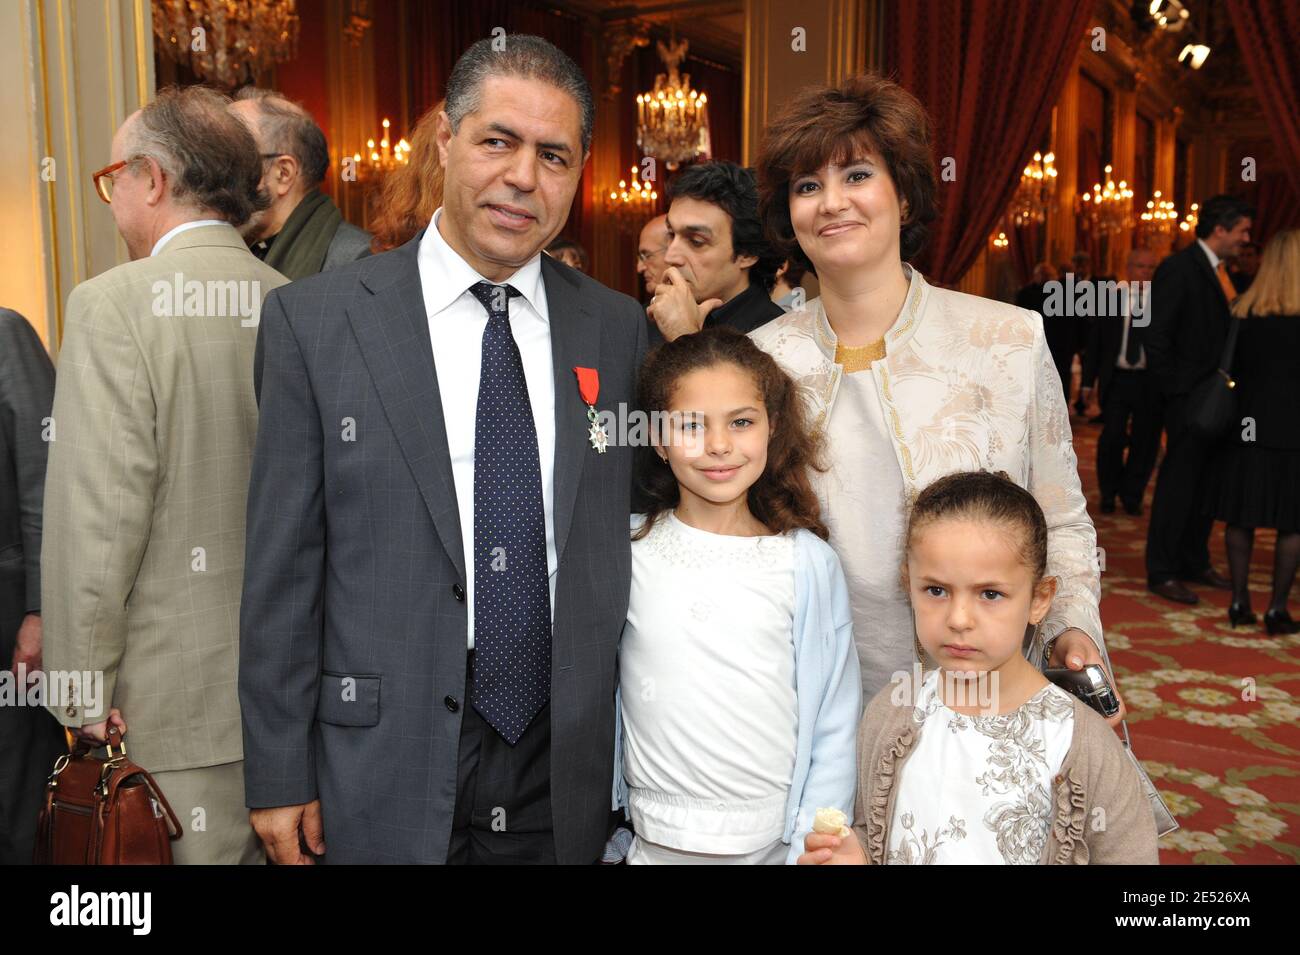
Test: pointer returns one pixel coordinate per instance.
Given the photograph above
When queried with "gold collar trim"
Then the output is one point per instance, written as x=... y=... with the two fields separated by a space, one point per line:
x=828 y=341
x=858 y=357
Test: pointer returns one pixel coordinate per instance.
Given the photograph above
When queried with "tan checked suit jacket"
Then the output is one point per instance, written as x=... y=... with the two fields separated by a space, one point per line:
x=154 y=424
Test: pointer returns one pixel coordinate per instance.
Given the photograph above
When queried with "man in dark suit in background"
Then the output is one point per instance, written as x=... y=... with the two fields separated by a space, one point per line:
x=432 y=680
x=1061 y=330
x=1244 y=266
x=1116 y=359
x=30 y=738
x=1184 y=343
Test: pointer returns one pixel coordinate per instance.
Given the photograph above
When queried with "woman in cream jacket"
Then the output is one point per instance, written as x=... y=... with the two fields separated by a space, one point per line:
x=908 y=381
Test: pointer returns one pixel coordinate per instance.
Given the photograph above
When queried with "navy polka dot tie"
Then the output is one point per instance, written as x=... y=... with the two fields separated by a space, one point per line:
x=512 y=598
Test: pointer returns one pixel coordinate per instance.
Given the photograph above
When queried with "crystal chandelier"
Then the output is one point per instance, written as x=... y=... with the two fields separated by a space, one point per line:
x=1036 y=191
x=1108 y=209
x=1157 y=223
x=672 y=120
x=632 y=204
x=227 y=42
x=1189 y=221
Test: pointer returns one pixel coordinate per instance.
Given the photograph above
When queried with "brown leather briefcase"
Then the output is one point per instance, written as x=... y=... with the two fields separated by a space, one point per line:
x=104 y=811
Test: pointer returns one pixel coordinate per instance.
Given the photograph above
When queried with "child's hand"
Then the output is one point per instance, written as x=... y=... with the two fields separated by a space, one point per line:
x=823 y=849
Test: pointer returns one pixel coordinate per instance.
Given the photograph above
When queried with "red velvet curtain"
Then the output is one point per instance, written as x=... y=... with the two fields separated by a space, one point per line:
x=989 y=72
x=439 y=31
x=1277 y=206
x=1268 y=32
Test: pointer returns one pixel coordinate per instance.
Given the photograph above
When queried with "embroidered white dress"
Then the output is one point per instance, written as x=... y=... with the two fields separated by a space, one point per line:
x=707 y=677
x=977 y=789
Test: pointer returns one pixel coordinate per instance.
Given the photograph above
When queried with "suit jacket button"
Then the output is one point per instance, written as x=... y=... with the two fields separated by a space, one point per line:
x=451 y=704
x=458 y=592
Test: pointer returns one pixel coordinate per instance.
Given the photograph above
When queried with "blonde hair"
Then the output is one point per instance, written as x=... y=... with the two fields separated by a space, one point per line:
x=1276 y=289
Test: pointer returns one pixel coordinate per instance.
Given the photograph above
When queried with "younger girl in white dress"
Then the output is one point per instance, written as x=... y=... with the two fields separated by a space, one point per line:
x=987 y=762
x=740 y=692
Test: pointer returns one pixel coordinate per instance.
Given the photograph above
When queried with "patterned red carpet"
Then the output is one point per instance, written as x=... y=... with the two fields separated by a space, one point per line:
x=1214 y=712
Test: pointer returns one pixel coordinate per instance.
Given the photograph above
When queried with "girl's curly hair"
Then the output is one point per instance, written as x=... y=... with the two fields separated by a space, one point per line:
x=782 y=498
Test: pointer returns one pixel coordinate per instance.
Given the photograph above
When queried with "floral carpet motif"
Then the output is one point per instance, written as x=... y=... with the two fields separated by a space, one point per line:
x=1214 y=713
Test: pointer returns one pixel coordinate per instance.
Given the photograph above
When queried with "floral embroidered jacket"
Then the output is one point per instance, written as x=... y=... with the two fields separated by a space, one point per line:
x=967 y=383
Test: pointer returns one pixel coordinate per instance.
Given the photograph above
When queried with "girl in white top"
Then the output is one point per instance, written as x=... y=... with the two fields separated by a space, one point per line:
x=739 y=684
x=975 y=775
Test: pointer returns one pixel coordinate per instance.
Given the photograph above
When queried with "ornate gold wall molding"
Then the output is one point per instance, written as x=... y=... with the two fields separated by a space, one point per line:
x=840 y=38
x=79 y=68
x=353 y=114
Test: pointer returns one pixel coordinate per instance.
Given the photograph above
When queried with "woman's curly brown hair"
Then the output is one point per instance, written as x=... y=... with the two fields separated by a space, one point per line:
x=782 y=498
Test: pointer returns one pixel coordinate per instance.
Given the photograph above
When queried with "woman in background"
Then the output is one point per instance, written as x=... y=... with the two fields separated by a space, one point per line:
x=411 y=193
x=1259 y=484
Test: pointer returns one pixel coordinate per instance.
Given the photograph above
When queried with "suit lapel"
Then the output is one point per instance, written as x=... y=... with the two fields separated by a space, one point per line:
x=575 y=341
x=392 y=331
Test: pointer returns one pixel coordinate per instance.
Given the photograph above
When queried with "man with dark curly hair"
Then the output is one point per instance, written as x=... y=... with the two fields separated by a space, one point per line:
x=720 y=268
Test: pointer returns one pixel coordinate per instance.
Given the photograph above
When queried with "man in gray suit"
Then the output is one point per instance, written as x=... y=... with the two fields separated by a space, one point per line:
x=30 y=739
x=302 y=232
x=438 y=557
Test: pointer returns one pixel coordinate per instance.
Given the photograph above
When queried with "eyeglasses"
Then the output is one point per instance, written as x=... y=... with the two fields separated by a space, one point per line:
x=644 y=257
x=103 y=179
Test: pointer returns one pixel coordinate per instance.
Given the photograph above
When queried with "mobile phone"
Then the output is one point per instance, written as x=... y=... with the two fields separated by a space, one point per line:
x=1089 y=684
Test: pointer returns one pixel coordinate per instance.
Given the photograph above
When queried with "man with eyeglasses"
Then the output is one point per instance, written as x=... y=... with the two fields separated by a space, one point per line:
x=650 y=251
x=146 y=488
x=302 y=232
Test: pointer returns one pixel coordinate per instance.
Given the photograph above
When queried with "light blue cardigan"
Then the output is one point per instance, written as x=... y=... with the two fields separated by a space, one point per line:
x=828 y=686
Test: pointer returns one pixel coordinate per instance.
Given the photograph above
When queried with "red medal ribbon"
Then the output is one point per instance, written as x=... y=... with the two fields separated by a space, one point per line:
x=588 y=384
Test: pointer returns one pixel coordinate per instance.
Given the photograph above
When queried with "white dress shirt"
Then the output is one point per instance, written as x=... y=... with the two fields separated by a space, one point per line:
x=183 y=227
x=457 y=322
x=1122 y=360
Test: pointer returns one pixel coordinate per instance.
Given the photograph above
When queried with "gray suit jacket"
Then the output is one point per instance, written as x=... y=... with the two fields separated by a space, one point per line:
x=26 y=396
x=348 y=245
x=353 y=624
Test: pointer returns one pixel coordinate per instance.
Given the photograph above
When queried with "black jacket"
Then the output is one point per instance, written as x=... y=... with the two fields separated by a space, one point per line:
x=26 y=398
x=1189 y=321
x=746 y=312
x=1062 y=331
x=1104 y=340
x=1267 y=370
